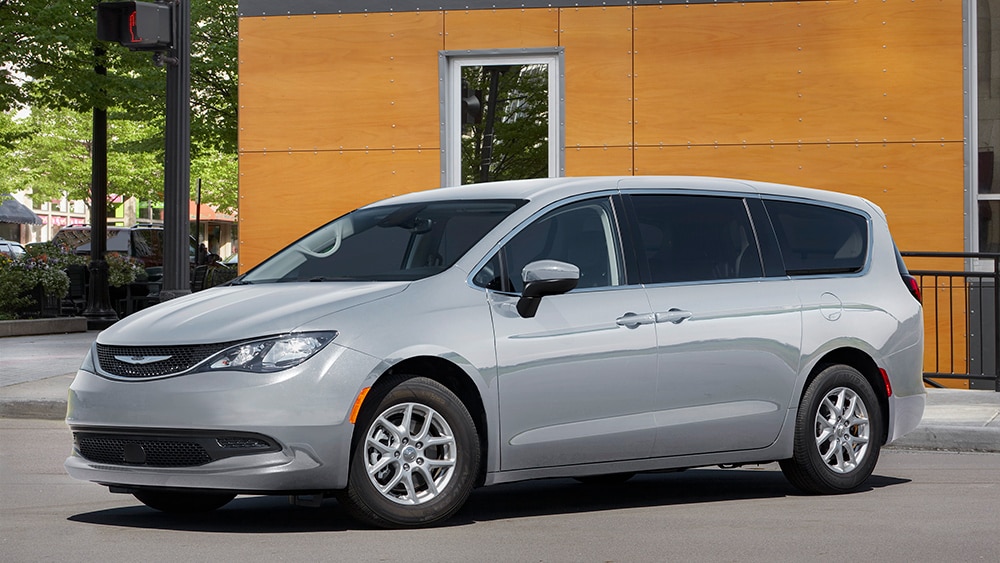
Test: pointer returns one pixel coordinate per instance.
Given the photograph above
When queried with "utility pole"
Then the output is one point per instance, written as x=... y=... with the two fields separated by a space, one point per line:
x=98 y=312
x=177 y=175
x=164 y=29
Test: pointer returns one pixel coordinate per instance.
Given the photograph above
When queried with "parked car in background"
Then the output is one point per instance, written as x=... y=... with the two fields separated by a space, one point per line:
x=591 y=328
x=143 y=242
x=11 y=248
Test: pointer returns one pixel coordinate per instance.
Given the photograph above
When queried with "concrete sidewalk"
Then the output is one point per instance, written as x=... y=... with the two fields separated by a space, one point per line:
x=36 y=372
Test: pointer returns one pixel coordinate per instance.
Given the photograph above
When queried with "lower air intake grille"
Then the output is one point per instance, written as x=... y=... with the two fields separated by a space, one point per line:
x=150 y=453
x=168 y=448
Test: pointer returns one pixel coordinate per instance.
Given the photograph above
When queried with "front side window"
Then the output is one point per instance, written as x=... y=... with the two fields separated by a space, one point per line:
x=582 y=234
x=695 y=238
x=387 y=243
x=819 y=240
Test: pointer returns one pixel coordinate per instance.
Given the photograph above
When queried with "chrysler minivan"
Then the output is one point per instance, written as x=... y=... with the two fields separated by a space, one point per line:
x=591 y=328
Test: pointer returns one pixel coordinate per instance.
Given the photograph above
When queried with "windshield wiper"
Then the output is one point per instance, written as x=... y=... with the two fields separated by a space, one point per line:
x=327 y=279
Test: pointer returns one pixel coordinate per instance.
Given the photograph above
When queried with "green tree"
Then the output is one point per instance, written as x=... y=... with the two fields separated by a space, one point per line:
x=49 y=52
x=54 y=157
x=520 y=134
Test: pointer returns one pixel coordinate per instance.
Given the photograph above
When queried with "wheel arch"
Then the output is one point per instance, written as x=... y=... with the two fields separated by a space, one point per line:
x=458 y=382
x=864 y=363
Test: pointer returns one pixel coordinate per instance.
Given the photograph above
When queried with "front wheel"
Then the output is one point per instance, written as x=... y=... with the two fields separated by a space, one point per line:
x=415 y=458
x=838 y=433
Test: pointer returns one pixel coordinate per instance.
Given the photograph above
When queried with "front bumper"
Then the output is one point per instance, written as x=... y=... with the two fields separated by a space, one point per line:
x=300 y=415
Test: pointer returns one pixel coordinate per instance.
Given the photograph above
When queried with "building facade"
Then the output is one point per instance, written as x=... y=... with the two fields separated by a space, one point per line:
x=343 y=103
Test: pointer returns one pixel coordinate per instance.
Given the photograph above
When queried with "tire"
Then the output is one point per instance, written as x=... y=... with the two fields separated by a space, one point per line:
x=415 y=457
x=838 y=433
x=183 y=503
x=605 y=480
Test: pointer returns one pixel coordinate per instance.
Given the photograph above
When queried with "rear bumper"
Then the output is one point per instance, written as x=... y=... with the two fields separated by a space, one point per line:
x=906 y=414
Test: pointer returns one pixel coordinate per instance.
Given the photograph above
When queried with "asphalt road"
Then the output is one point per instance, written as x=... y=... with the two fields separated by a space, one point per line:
x=921 y=506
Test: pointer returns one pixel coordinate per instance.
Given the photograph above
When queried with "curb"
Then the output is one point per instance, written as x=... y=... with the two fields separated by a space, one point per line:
x=31 y=327
x=31 y=408
x=951 y=439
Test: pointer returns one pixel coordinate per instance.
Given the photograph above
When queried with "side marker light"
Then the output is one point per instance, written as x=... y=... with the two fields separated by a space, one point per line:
x=361 y=399
x=885 y=378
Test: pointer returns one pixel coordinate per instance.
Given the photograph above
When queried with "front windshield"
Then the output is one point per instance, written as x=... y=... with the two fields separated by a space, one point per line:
x=388 y=243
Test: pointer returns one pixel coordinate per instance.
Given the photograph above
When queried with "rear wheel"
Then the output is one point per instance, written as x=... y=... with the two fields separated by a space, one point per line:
x=838 y=433
x=179 y=502
x=415 y=459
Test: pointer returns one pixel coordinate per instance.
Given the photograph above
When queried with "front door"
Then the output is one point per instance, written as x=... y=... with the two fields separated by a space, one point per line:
x=577 y=380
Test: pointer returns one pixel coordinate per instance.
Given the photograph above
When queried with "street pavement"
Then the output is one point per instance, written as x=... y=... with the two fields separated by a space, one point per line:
x=36 y=372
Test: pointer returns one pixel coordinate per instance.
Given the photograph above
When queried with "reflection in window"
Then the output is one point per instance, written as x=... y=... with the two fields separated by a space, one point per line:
x=696 y=238
x=989 y=225
x=506 y=137
x=581 y=234
x=819 y=240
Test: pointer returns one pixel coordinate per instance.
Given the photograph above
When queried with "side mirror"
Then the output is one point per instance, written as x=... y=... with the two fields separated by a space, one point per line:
x=545 y=277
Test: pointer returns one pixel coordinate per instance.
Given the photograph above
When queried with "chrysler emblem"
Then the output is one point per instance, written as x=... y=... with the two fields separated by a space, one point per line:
x=141 y=360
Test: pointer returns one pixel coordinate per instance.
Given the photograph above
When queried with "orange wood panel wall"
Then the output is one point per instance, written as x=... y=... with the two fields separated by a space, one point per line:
x=284 y=195
x=598 y=46
x=337 y=82
x=501 y=29
x=855 y=95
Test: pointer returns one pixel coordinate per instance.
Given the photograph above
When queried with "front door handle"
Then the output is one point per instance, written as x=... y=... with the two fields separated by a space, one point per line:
x=632 y=320
x=675 y=316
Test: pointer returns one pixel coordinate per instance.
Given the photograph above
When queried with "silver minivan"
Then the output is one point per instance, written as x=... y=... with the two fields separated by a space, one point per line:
x=593 y=328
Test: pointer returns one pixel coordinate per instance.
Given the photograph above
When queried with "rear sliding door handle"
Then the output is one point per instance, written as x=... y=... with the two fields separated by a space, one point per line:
x=632 y=320
x=675 y=316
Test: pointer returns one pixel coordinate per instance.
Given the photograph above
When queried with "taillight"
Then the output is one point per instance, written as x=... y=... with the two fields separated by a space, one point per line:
x=914 y=287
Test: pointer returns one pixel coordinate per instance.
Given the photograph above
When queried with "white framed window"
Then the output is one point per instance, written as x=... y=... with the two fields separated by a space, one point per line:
x=517 y=130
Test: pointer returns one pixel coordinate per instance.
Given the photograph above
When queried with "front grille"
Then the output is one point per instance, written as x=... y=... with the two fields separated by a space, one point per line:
x=153 y=361
x=168 y=448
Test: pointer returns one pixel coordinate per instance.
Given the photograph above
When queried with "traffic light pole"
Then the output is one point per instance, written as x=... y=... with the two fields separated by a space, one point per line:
x=98 y=312
x=177 y=173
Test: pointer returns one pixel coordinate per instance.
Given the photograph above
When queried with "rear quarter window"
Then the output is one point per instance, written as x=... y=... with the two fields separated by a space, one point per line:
x=819 y=240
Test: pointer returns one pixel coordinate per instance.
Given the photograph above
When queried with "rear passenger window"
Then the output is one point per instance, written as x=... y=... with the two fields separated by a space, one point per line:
x=819 y=240
x=695 y=238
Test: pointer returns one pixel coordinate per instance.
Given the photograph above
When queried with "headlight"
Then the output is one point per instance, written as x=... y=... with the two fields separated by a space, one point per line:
x=270 y=354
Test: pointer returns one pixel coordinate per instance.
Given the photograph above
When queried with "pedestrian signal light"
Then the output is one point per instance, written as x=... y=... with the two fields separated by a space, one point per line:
x=140 y=26
x=472 y=105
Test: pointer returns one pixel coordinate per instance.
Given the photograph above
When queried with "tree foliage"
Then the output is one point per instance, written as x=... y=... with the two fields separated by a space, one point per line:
x=49 y=54
x=520 y=124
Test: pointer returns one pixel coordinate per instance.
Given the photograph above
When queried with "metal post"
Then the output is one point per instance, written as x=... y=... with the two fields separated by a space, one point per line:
x=996 y=323
x=491 y=112
x=98 y=312
x=197 y=220
x=177 y=174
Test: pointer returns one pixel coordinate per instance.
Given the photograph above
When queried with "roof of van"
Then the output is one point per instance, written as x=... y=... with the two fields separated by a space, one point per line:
x=554 y=189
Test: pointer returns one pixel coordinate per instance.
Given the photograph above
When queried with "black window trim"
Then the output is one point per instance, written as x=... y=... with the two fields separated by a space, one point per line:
x=645 y=276
x=823 y=272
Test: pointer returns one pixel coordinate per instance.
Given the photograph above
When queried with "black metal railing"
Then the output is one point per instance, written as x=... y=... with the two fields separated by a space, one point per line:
x=961 y=315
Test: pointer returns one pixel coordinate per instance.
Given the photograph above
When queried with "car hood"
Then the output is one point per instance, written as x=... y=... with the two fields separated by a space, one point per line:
x=226 y=314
